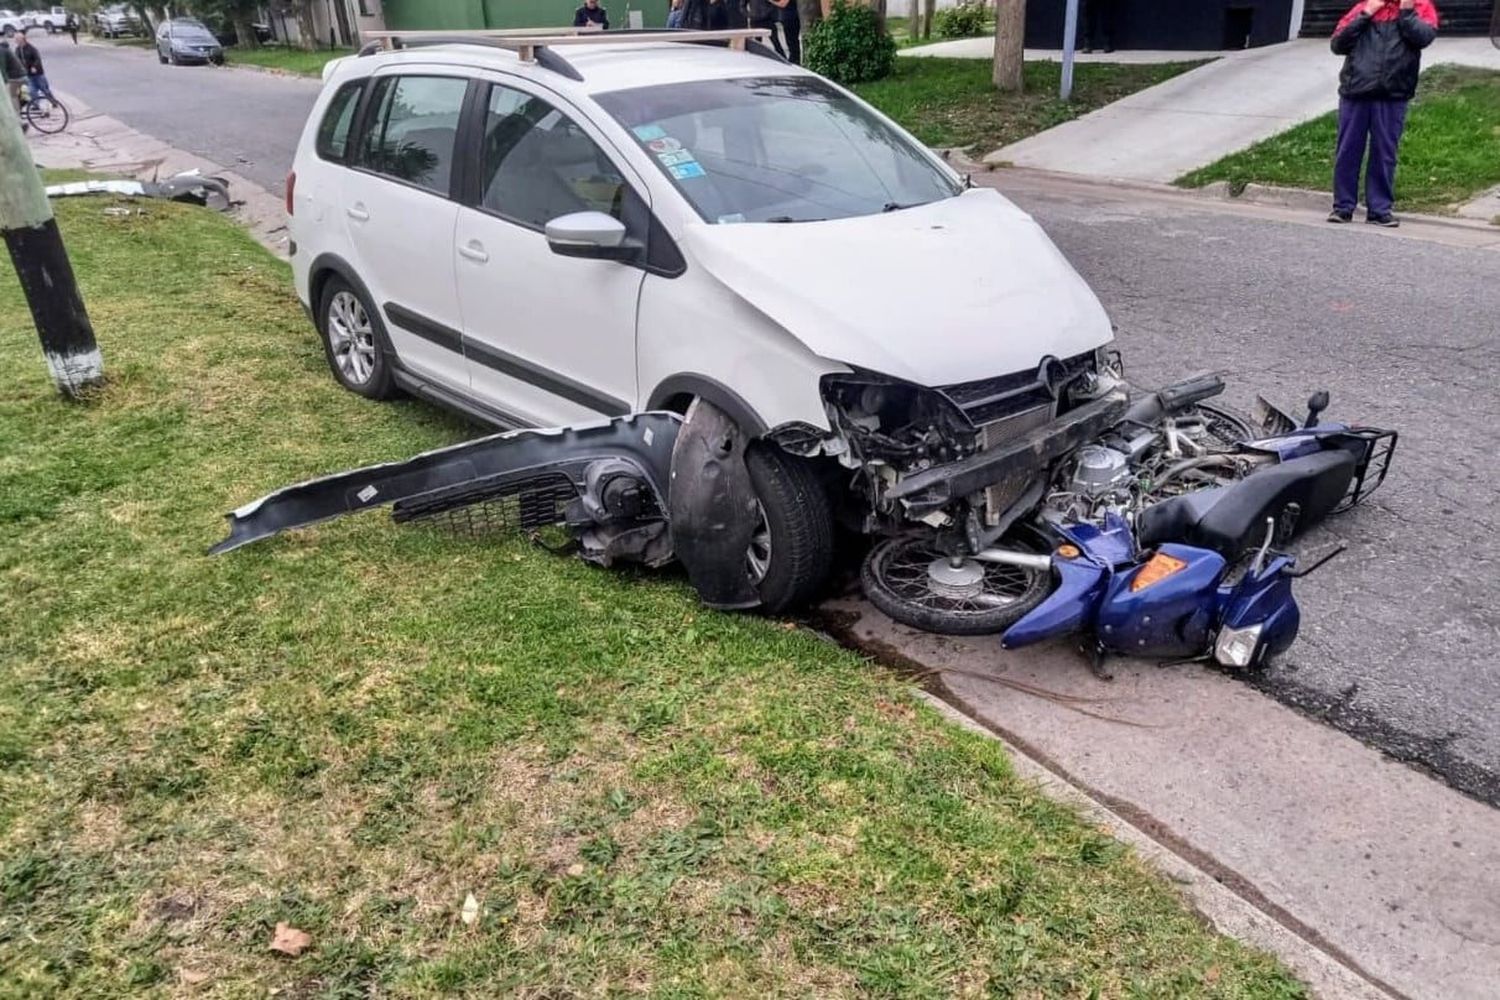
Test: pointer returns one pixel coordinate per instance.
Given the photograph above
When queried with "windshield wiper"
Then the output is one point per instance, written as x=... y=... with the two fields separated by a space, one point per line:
x=896 y=206
x=788 y=218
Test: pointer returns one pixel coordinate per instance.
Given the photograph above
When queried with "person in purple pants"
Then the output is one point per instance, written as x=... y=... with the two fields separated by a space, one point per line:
x=1381 y=42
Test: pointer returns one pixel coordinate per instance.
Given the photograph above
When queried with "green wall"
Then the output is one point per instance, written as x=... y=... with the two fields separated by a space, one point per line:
x=459 y=14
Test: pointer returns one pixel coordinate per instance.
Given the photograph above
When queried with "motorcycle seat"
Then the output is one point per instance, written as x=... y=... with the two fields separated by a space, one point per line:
x=1231 y=520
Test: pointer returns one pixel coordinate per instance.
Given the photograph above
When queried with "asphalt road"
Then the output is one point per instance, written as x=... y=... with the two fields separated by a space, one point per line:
x=246 y=121
x=1399 y=634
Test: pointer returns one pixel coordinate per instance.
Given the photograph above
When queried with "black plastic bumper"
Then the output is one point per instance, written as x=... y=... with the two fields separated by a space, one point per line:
x=1030 y=454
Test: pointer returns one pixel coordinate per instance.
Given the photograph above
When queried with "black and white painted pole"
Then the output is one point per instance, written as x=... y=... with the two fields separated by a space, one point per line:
x=36 y=249
x=1070 y=46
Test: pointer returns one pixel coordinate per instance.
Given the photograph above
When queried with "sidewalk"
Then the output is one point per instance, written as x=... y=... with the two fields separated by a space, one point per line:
x=984 y=48
x=1373 y=867
x=1191 y=120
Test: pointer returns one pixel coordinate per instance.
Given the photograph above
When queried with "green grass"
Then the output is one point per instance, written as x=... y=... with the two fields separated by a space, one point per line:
x=1450 y=152
x=288 y=60
x=353 y=727
x=897 y=27
x=951 y=102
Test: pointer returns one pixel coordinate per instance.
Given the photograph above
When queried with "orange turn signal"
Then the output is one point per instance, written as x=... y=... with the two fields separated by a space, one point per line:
x=1157 y=569
x=1067 y=552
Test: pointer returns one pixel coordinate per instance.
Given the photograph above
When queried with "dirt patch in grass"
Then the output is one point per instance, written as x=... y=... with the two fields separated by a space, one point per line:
x=952 y=102
x=1449 y=154
x=354 y=728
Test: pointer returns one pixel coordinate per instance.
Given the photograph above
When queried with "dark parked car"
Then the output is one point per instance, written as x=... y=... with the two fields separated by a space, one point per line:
x=184 y=40
x=227 y=35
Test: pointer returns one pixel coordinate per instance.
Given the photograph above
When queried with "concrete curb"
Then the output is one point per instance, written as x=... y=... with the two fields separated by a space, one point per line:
x=1227 y=912
x=1252 y=194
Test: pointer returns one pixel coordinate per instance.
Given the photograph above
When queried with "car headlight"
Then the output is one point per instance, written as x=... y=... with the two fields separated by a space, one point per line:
x=1236 y=647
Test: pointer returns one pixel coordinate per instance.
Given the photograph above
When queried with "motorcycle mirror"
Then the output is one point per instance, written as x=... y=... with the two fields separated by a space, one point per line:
x=1259 y=562
x=1297 y=574
x=1316 y=404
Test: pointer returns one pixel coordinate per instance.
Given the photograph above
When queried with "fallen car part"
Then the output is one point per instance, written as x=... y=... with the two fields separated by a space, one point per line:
x=713 y=508
x=608 y=480
x=189 y=187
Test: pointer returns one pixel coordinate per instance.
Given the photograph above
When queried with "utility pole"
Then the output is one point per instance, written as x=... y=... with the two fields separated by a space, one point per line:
x=36 y=249
x=1070 y=45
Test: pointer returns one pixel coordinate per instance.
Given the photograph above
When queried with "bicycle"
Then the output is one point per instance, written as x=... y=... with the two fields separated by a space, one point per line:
x=46 y=114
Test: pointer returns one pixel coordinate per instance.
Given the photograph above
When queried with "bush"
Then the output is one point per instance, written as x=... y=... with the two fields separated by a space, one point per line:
x=963 y=21
x=850 y=45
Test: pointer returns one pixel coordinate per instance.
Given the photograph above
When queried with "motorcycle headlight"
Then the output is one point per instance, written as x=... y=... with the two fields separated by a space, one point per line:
x=1236 y=647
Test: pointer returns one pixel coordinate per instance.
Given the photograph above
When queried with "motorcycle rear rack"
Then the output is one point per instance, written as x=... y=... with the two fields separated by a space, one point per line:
x=1371 y=469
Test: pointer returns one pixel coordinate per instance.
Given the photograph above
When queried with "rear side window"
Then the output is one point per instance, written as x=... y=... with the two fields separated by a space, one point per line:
x=338 y=120
x=412 y=131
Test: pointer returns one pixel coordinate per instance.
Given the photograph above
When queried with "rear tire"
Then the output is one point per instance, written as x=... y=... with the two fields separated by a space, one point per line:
x=353 y=341
x=799 y=522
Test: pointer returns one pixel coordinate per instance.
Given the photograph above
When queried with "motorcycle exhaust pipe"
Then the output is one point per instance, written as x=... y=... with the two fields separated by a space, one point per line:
x=1028 y=560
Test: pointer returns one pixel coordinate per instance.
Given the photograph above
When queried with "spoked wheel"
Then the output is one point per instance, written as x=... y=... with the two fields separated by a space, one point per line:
x=46 y=115
x=1226 y=427
x=913 y=581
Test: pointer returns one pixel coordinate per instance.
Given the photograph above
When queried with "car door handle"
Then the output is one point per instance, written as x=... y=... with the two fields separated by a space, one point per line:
x=357 y=213
x=474 y=250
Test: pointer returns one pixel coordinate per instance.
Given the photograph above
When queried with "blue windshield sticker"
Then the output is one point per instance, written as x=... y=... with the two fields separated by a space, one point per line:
x=673 y=159
x=683 y=171
x=645 y=133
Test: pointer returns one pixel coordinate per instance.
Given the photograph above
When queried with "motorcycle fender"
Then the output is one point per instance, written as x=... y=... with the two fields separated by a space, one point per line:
x=1170 y=618
x=1069 y=608
x=1265 y=599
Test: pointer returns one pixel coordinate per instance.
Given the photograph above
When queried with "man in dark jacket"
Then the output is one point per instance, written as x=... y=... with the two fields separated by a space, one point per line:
x=12 y=72
x=769 y=14
x=36 y=76
x=1381 y=42
x=591 y=15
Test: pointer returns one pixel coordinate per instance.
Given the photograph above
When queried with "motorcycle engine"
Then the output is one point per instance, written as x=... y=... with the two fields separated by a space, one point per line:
x=1099 y=471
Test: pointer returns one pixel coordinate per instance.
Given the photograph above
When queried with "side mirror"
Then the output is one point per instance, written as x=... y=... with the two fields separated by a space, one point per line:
x=592 y=235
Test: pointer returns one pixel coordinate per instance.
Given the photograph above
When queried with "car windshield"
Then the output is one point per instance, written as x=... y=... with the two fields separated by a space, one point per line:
x=784 y=149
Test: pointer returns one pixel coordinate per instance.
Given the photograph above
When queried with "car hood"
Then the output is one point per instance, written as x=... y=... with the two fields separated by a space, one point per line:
x=956 y=290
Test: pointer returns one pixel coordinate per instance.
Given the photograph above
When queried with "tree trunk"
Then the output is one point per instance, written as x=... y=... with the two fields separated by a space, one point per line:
x=307 y=27
x=1010 y=44
x=928 y=6
x=244 y=32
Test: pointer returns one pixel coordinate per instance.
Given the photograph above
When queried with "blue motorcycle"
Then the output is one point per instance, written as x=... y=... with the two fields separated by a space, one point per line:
x=1175 y=585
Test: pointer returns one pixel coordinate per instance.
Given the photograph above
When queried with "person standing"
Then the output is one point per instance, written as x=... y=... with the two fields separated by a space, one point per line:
x=768 y=14
x=1381 y=42
x=31 y=62
x=72 y=26
x=592 y=16
x=13 y=73
x=1099 y=21
x=675 y=15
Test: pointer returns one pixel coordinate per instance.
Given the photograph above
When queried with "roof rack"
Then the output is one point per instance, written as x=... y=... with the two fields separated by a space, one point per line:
x=526 y=42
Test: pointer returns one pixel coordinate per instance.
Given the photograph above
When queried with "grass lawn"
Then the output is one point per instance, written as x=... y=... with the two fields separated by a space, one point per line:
x=1450 y=152
x=281 y=57
x=951 y=102
x=353 y=728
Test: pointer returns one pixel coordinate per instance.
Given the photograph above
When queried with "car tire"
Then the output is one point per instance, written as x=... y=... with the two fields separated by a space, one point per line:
x=161 y=58
x=354 y=341
x=797 y=525
x=172 y=59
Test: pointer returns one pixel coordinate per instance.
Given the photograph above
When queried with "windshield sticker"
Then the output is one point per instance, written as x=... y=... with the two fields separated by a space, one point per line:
x=666 y=144
x=683 y=171
x=732 y=217
x=673 y=159
x=645 y=133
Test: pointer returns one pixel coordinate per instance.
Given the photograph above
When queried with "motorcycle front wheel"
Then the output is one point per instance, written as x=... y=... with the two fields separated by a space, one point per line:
x=913 y=582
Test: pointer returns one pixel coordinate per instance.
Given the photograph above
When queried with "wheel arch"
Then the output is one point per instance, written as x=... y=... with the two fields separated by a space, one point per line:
x=675 y=392
x=329 y=265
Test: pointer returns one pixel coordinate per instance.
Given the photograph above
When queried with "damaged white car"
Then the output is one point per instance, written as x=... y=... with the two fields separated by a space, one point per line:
x=551 y=236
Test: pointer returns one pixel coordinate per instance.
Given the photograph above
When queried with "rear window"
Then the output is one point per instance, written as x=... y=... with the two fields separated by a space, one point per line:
x=338 y=121
x=412 y=132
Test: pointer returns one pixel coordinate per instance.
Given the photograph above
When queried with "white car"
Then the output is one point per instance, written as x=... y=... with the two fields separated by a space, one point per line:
x=647 y=224
x=50 y=20
x=11 y=23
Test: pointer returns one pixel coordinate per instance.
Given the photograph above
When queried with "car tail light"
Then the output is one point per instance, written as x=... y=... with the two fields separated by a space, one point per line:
x=291 y=190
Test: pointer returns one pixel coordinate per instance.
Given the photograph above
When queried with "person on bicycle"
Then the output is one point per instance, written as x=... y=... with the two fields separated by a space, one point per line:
x=12 y=72
x=31 y=62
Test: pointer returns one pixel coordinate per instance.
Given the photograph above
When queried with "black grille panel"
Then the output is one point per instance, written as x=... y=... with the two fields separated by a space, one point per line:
x=987 y=400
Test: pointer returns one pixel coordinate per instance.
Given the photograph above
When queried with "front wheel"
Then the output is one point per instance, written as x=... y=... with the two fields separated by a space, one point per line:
x=917 y=584
x=46 y=115
x=791 y=551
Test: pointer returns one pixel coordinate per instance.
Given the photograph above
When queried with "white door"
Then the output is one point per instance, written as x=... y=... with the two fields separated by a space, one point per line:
x=401 y=220
x=548 y=338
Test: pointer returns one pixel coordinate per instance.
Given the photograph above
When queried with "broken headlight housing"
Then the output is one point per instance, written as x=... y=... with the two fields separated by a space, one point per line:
x=904 y=425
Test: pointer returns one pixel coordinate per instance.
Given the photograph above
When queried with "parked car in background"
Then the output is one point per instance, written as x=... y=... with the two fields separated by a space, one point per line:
x=186 y=40
x=113 y=22
x=10 y=23
x=51 y=20
x=228 y=35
